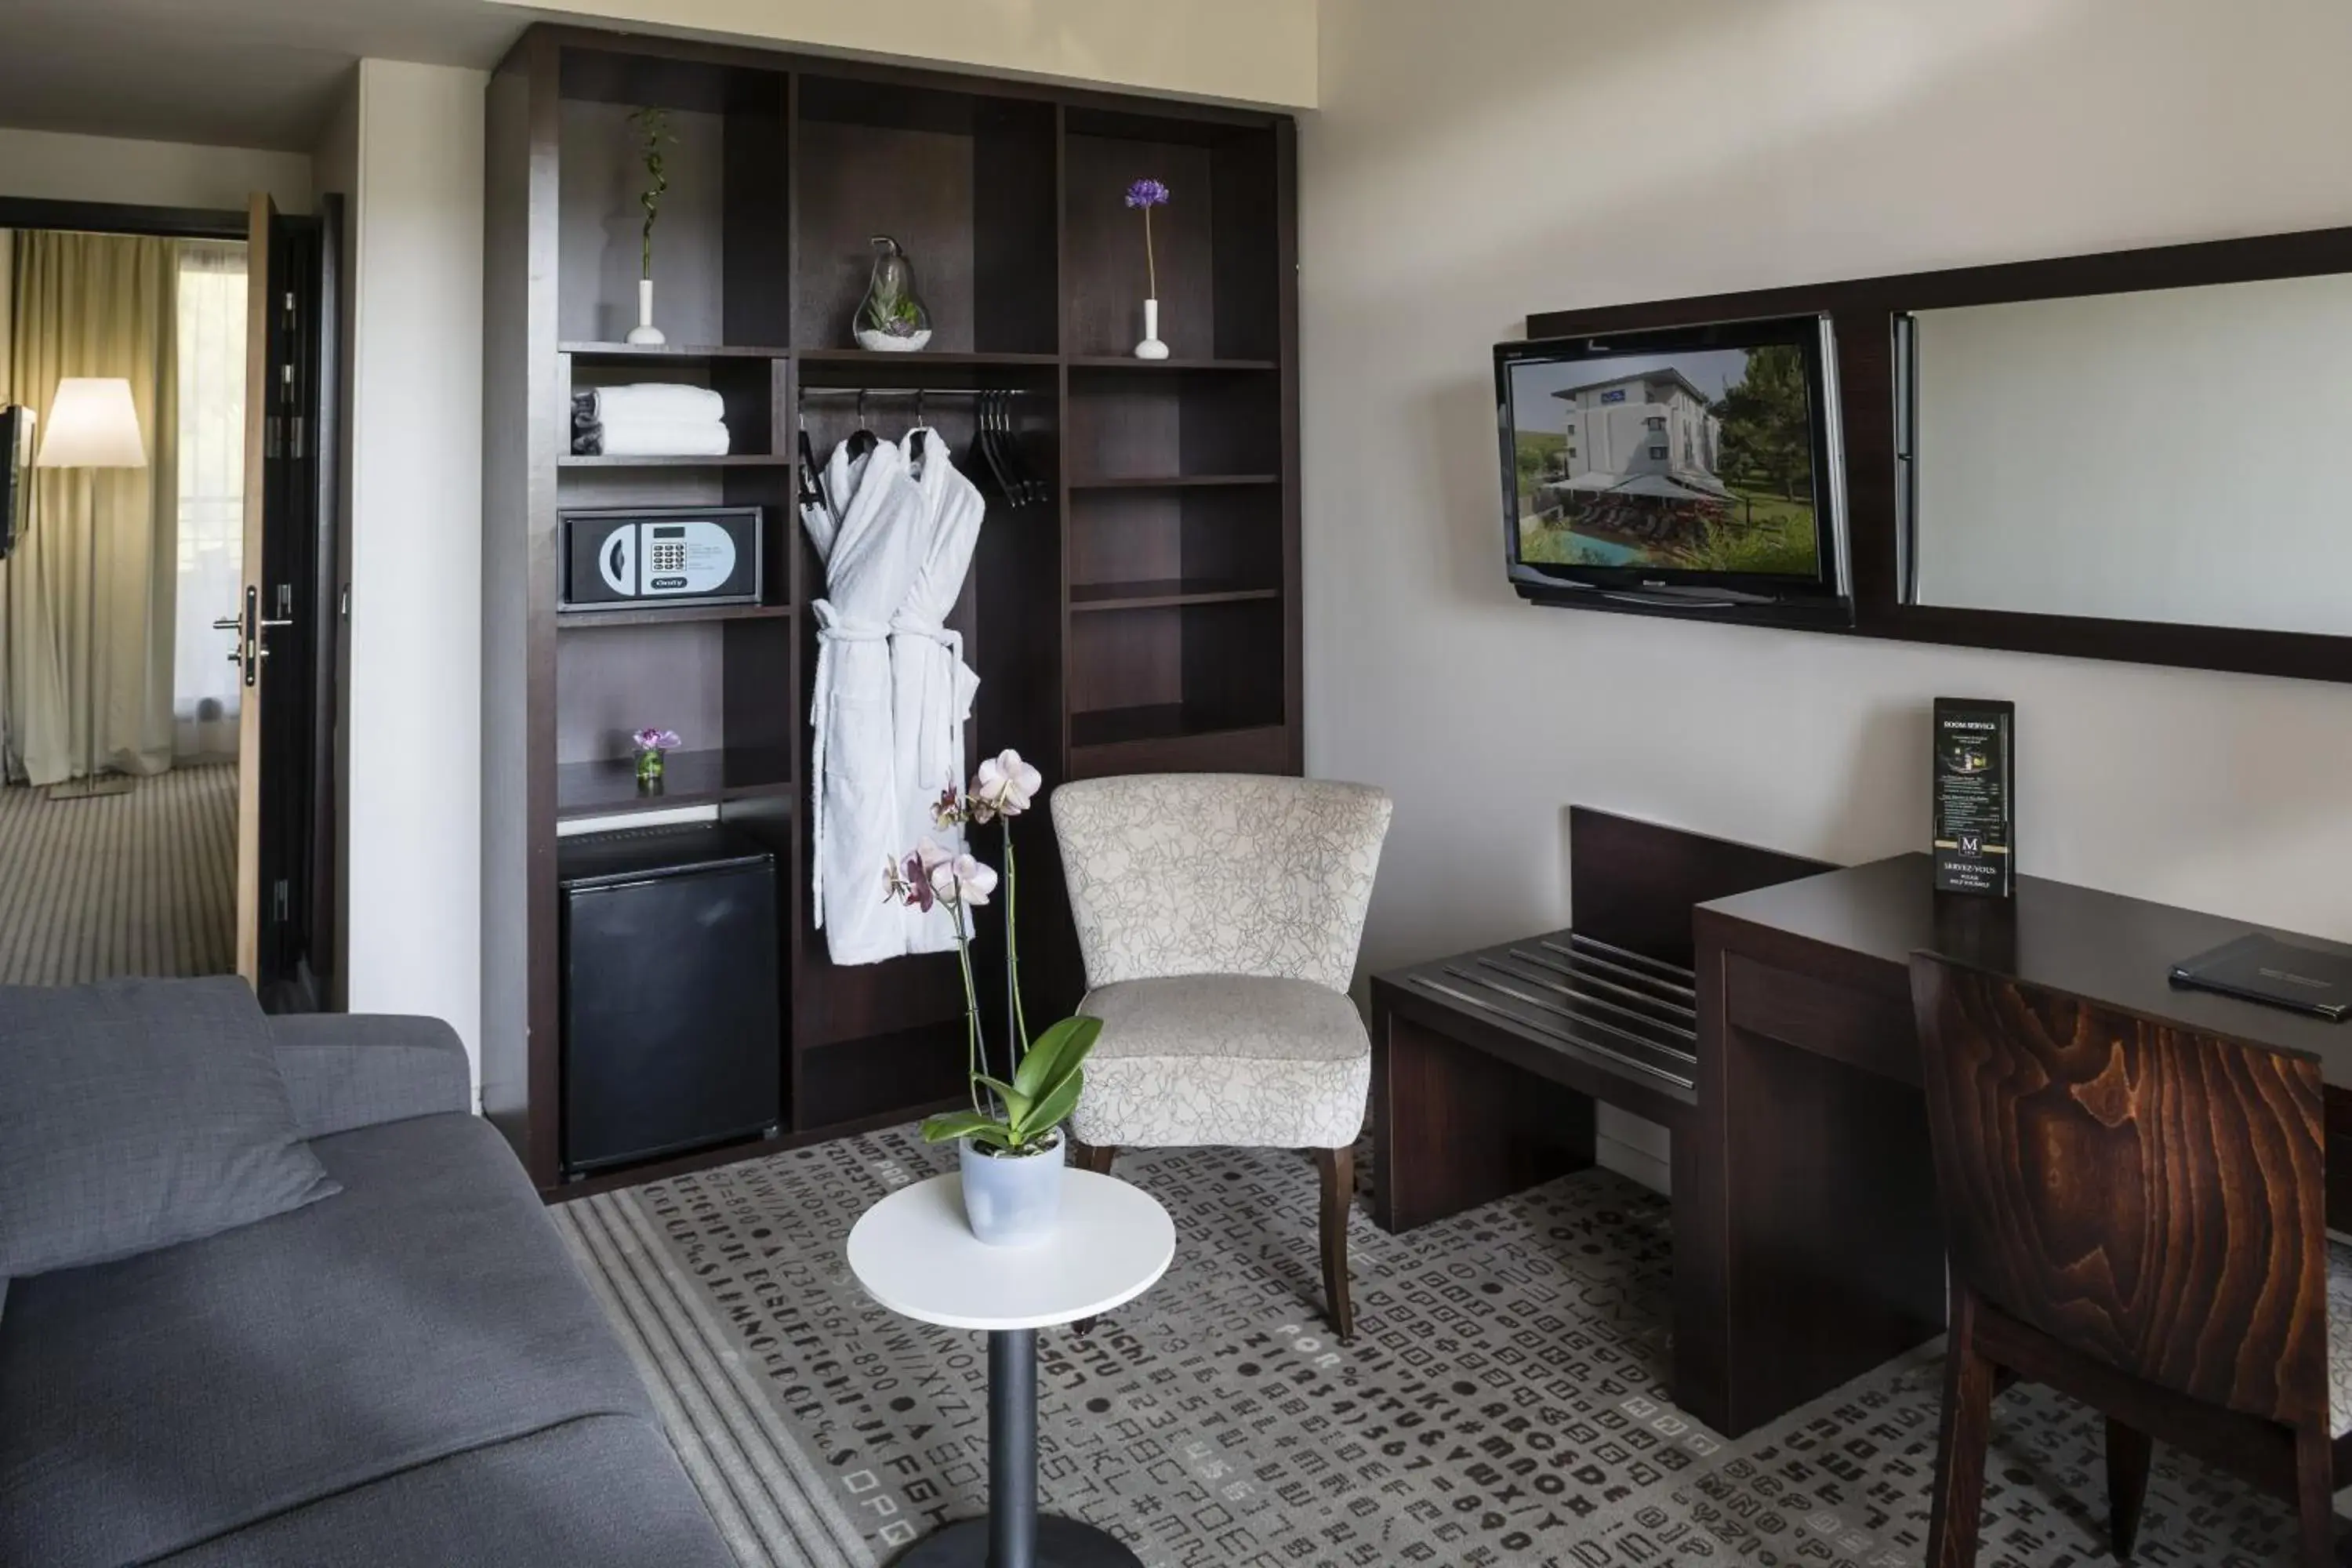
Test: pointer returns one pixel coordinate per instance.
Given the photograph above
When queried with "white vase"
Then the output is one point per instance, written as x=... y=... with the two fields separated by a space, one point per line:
x=644 y=331
x=1011 y=1200
x=1151 y=347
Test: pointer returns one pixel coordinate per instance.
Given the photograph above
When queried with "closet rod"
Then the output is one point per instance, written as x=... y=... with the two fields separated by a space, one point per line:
x=807 y=392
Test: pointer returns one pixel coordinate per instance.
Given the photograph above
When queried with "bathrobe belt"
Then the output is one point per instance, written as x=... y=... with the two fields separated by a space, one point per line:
x=832 y=629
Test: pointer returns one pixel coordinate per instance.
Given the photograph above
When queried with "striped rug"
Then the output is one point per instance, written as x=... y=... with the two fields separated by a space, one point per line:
x=139 y=883
x=771 y=1504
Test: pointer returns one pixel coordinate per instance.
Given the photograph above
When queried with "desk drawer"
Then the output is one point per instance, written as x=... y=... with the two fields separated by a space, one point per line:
x=1860 y=1028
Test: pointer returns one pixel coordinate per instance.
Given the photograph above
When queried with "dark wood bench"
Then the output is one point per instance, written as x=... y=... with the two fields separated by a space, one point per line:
x=1486 y=1066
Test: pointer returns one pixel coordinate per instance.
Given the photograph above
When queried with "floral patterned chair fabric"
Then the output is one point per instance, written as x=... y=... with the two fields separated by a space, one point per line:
x=1219 y=915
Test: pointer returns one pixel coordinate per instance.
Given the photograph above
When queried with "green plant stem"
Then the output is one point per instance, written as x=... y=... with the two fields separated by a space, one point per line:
x=976 y=1049
x=1151 y=263
x=1020 y=1018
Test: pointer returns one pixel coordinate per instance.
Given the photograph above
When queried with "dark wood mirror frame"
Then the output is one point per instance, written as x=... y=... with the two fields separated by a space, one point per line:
x=1863 y=311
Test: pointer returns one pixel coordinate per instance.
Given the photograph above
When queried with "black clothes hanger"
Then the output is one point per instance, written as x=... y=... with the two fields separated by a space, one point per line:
x=812 y=478
x=865 y=440
x=984 y=449
x=1026 y=484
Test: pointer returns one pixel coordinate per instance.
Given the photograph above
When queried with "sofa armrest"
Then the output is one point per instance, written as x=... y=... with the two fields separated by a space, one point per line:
x=344 y=1070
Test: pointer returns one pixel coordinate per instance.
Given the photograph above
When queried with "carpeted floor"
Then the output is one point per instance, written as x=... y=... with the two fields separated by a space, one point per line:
x=142 y=882
x=1503 y=1403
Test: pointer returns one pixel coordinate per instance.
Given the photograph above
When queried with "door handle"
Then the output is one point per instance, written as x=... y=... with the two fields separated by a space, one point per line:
x=229 y=624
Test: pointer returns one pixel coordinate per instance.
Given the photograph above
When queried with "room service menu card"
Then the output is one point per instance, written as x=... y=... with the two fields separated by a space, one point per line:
x=1975 y=807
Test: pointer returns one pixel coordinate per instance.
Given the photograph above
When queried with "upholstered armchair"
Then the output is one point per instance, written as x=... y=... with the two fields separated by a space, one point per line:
x=1218 y=916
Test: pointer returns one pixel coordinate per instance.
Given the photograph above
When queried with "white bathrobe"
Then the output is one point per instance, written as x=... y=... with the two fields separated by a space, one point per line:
x=931 y=687
x=856 y=826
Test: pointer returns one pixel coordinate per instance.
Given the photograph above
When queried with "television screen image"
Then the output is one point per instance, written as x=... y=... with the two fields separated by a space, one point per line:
x=1689 y=468
x=1696 y=461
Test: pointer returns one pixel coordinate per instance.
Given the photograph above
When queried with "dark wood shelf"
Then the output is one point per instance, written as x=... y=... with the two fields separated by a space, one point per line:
x=666 y=351
x=609 y=787
x=1166 y=367
x=1160 y=593
x=1153 y=721
x=682 y=615
x=1173 y=481
x=872 y=357
x=733 y=460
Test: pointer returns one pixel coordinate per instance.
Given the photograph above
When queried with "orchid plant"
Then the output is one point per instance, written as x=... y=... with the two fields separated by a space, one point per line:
x=1147 y=194
x=1018 y=1113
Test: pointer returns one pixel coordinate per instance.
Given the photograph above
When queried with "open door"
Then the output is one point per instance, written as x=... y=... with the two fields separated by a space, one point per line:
x=285 y=592
x=251 y=625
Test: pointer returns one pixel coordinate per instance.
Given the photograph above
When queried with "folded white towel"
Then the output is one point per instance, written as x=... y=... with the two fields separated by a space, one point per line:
x=663 y=439
x=664 y=400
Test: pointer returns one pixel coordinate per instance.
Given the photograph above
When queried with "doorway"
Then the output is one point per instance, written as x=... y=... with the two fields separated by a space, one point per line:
x=163 y=746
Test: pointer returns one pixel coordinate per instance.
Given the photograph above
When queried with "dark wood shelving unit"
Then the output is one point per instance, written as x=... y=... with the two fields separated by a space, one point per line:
x=1146 y=619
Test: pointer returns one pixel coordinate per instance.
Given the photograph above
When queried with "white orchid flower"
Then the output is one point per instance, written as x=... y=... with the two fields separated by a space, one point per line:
x=964 y=882
x=1005 y=786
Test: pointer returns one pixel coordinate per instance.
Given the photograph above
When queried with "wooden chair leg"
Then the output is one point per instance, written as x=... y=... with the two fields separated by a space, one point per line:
x=2128 y=1452
x=1958 y=1510
x=2314 y=1496
x=1339 y=1170
x=1098 y=1158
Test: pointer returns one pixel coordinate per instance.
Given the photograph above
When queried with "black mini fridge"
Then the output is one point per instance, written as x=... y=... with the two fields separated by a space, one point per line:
x=673 y=1036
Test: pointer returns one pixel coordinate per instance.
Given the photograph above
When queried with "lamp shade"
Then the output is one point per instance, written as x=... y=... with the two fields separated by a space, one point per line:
x=92 y=424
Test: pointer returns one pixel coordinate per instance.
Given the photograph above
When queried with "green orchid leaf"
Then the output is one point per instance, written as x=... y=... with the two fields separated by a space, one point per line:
x=1055 y=1054
x=1055 y=1109
x=1016 y=1103
x=996 y=1135
x=949 y=1126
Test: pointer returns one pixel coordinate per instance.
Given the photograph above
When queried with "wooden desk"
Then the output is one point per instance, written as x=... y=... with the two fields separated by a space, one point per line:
x=1807 y=1248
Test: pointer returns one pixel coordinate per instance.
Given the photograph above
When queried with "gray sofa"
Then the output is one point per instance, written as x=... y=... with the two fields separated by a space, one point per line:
x=408 y=1371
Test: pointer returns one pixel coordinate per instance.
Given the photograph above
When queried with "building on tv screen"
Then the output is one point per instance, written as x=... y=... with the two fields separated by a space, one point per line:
x=1698 y=461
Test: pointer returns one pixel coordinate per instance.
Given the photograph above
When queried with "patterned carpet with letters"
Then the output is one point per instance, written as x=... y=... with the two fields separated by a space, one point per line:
x=1503 y=1403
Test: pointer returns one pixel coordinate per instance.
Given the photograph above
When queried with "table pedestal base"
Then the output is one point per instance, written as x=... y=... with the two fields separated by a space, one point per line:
x=1061 y=1543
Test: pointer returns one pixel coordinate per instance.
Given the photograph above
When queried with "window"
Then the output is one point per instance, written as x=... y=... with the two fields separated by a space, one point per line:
x=1571 y=451
x=1614 y=394
x=1658 y=452
x=1655 y=422
x=212 y=324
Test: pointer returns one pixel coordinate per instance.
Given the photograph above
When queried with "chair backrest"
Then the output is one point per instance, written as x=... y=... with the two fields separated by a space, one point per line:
x=2147 y=1195
x=1219 y=874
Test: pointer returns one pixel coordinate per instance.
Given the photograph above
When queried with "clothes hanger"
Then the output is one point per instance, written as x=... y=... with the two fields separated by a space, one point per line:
x=1032 y=488
x=811 y=482
x=984 y=441
x=865 y=440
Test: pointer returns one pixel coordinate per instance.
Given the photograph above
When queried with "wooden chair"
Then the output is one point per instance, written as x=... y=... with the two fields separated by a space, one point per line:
x=2135 y=1216
x=1219 y=915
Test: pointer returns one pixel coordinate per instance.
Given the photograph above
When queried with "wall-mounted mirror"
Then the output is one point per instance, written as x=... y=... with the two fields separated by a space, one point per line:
x=2175 y=455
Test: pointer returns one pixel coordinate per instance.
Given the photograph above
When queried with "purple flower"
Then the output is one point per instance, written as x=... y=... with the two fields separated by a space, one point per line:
x=948 y=811
x=656 y=739
x=1147 y=194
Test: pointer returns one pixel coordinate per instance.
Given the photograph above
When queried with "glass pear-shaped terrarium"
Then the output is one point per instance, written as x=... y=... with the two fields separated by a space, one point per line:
x=892 y=320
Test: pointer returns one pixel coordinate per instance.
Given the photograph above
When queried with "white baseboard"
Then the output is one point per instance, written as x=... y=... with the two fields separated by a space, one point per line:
x=1634 y=1164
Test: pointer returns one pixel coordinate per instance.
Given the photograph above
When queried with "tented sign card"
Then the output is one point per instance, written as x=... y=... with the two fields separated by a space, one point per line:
x=1975 y=805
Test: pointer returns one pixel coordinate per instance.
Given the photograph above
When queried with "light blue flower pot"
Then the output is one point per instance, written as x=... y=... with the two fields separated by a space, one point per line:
x=1012 y=1200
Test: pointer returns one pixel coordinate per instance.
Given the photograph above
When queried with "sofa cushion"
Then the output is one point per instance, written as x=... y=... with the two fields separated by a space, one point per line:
x=151 y=1404
x=1240 y=1060
x=137 y=1114
x=602 y=1492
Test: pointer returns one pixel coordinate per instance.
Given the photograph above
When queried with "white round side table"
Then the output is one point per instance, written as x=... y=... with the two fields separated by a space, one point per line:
x=914 y=1254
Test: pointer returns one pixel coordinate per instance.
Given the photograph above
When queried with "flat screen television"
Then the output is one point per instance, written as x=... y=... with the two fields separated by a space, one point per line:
x=1692 y=472
x=16 y=475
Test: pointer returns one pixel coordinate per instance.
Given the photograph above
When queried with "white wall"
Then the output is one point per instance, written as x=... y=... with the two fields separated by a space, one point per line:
x=46 y=165
x=414 y=742
x=1258 y=52
x=1446 y=192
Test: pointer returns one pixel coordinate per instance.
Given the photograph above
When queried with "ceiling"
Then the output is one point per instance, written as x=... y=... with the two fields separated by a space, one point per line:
x=230 y=73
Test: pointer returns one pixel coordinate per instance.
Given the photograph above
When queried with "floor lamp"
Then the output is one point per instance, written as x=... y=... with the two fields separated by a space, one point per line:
x=92 y=424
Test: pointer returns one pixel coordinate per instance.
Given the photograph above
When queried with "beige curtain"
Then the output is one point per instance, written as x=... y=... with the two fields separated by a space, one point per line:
x=90 y=591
